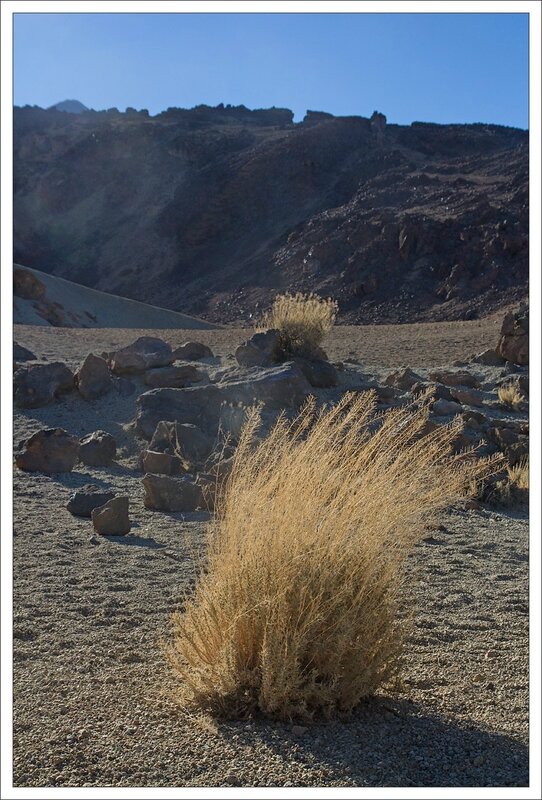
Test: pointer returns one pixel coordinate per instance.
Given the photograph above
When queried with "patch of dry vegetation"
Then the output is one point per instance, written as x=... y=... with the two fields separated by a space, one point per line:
x=513 y=489
x=297 y=611
x=510 y=396
x=303 y=321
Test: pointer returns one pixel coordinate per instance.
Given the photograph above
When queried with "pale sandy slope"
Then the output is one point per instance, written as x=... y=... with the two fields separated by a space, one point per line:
x=84 y=307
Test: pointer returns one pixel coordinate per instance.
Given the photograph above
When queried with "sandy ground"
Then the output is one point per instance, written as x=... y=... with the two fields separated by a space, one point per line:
x=93 y=695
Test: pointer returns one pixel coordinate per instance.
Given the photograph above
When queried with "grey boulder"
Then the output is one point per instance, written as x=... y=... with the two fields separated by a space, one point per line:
x=93 y=379
x=97 y=449
x=192 y=351
x=38 y=385
x=173 y=377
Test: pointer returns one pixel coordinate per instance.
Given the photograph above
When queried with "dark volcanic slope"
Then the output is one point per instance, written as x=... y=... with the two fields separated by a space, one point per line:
x=211 y=210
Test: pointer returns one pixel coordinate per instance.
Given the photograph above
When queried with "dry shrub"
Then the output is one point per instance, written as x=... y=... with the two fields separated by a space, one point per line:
x=303 y=321
x=510 y=396
x=295 y=613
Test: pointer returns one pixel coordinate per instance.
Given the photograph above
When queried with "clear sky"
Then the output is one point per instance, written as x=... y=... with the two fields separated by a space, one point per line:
x=430 y=67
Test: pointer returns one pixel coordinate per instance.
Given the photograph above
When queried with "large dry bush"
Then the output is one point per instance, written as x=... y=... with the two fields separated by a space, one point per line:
x=296 y=610
x=302 y=320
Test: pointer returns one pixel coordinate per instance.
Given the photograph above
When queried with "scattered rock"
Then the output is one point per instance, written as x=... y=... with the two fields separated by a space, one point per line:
x=440 y=392
x=93 y=379
x=38 y=385
x=489 y=358
x=474 y=419
x=514 y=342
x=145 y=353
x=442 y=408
x=112 y=518
x=83 y=501
x=261 y=350
x=458 y=378
x=21 y=353
x=174 y=377
x=402 y=379
x=97 y=449
x=161 y=463
x=299 y=730
x=468 y=397
x=164 y=493
x=192 y=351
x=50 y=450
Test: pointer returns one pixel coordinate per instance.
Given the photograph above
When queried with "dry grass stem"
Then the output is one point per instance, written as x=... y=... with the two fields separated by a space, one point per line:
x=296 y=611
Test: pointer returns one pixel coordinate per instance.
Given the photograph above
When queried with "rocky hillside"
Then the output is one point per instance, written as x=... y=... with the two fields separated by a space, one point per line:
x=212 y=210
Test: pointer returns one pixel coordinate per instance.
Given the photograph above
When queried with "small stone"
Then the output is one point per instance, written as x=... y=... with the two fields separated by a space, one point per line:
x=299 y=730
x=112 y=518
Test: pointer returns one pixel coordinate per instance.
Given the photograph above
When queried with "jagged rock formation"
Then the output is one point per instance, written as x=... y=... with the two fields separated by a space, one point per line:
x=213 y=210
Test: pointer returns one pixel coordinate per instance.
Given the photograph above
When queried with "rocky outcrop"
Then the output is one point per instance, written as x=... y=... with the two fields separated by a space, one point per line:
x=161 y=463
x=50 y=450
x=173 y=377
x=183 y=440
x=223 y=403
x=38 y=385
x=261 y=350
x=21 y=353
x=513 y=345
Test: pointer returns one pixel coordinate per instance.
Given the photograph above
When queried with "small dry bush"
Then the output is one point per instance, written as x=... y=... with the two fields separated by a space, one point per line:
x=513 y=489
x=297 y=610
x=303 y=321
x=510 y=396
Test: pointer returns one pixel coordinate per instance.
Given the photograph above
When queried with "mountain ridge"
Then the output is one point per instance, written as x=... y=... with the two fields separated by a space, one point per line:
x=212 y=210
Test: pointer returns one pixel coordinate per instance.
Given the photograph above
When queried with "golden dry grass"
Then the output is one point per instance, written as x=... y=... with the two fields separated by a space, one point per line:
x=510 y=396
x=518 y=475
x=303 y=321
x=297 y=611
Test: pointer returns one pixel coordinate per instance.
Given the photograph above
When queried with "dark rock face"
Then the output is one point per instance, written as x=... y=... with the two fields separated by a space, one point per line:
x=319 y=373
x=21 y=353
x=40 y=384
x=112 y=518
x=83 y=501
x=173 y=377
x=97 y=449
x=164 y=493
x=50 y=450
x=513 y=345
x=398 y=223
x=192 y=351
x=279 y=387
x=93 y=379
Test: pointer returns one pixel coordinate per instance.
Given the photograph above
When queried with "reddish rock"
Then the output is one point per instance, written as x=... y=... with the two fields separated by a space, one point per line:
x=112 y=519
x=50 y=450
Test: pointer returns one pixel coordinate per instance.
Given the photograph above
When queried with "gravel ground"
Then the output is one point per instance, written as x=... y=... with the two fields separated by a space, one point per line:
x=93 y=697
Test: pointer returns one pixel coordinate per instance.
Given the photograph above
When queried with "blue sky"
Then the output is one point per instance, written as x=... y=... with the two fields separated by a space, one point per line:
x=431 y=67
